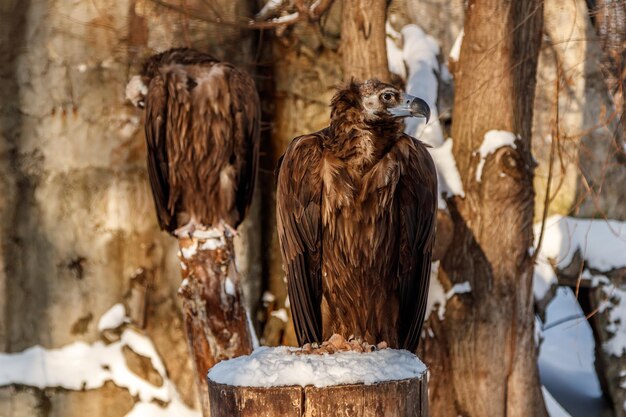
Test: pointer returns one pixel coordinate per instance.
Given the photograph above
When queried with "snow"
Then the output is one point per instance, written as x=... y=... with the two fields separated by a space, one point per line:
x=113 y=318
x=436 y=294
x=82 y=366
x=190 y=251
x=79 y=366
x=455 y=52
x=494 y=140
x=281 y=366
x=448 y=177
x=602 y=244
x=229 y=287
x=136 y=90
x=253 y=336
x=438 y=297
x=280 y=314
x=420 y=54
x=289 y=18
x=566 y=358
x=462 y=288
x=268 y=297
x=271 y=8
x=395 y=56
x=616 y=307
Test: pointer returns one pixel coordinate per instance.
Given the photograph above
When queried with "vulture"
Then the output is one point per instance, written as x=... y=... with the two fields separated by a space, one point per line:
x=202 y=121
x=356 y=206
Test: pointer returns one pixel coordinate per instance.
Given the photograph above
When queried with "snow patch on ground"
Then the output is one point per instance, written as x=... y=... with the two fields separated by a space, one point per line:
x=494 y=140
x=601 y=243
x=280 y=366
x=113 y=318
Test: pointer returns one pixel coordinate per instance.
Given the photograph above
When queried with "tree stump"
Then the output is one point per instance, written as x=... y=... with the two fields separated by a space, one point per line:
x=404 y=398
x=279 y=382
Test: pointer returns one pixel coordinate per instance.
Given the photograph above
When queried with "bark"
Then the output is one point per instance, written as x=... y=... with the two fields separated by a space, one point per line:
x=489 y=332
x=405 y=398
x=215 y=319
x=363 y=47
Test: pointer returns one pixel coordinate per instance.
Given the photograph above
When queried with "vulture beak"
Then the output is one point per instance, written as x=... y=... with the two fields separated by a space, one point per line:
x=411 y=107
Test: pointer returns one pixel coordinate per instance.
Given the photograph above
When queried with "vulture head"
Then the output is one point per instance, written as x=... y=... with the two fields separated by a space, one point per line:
x=376 y=104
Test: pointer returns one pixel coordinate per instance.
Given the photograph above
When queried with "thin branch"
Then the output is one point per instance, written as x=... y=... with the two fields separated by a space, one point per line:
x=313 y=14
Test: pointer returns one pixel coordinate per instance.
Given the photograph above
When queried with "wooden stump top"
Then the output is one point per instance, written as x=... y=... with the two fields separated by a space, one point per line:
x=404 y=397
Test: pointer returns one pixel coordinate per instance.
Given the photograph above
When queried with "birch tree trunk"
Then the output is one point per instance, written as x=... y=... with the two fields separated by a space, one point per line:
x=482 y=356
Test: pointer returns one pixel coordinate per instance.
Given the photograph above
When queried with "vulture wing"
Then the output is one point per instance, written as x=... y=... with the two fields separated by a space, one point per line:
x=155 y=128
x=417 y=193
x=298 y=200
x=246 y=131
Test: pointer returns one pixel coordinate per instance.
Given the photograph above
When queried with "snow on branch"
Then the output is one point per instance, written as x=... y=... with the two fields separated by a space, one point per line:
x=493 y=140
x=601 y=243
x=283 y=13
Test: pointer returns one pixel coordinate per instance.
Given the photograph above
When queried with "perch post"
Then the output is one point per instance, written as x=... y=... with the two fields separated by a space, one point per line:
x=275 y=382
x=404 y=398
x=215 y=319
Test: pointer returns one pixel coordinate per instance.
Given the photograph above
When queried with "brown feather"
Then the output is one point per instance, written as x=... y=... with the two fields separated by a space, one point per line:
x=202 y=129
x=356 y=207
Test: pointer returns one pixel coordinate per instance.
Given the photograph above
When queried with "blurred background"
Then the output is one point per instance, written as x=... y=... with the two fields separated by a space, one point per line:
x=90 y=321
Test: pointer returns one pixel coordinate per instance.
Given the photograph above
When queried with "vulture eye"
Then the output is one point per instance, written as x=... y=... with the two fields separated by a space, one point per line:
x=388 y=96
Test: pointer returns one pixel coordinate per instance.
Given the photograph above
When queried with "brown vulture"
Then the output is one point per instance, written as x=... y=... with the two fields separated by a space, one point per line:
x=356 y=205
x=202 y=132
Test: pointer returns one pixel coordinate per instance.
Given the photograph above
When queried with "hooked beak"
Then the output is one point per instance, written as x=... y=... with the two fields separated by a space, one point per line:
x=411 y=107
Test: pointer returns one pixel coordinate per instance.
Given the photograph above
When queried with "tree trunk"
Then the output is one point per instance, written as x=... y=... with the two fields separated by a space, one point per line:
x=405 y=398
x=483 y=357
x=363 y=47
x=78 y=231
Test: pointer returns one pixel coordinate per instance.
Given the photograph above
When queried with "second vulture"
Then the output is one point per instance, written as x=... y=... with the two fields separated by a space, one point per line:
x=356 y=205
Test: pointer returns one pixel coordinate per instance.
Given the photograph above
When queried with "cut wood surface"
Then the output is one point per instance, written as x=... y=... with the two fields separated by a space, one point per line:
x=403 y=398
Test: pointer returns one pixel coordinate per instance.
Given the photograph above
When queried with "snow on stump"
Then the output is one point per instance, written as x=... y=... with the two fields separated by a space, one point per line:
x=281 y=382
